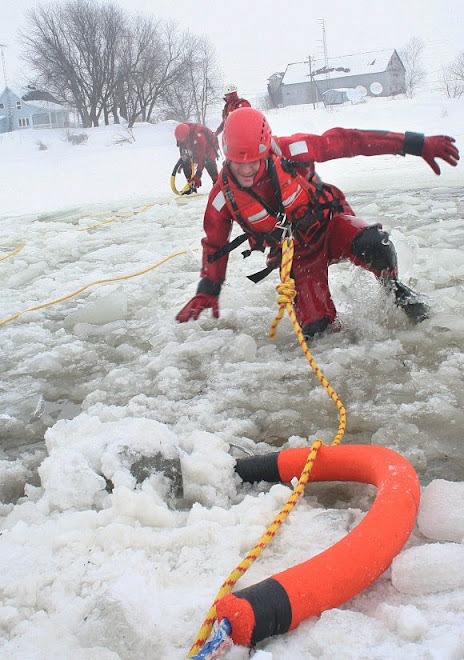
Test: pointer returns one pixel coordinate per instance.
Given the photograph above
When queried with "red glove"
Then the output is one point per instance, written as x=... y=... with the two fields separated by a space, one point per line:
x=439 y=146
x=196 y=181
x=194 y=307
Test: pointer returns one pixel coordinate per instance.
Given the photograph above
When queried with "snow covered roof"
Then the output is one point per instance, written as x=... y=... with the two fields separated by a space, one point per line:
x=48 y=106
x=358 y=64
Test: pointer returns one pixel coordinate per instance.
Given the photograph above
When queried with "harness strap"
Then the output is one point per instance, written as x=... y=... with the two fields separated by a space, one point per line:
x=261 y=274
x=228 y=247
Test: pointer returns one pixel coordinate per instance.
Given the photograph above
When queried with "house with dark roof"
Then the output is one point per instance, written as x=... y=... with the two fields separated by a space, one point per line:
x=30 y=108
x=377 y=73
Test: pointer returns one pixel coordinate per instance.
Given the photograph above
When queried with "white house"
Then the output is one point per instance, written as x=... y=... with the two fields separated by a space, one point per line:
x=30 y=108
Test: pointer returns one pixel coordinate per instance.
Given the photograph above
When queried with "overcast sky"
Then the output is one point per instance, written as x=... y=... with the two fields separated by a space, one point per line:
x=259 y=37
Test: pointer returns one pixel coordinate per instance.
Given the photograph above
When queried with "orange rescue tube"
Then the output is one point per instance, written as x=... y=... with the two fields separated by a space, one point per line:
x=332 y=577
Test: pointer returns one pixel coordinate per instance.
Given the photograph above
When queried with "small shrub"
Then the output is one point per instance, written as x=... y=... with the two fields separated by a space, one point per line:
x=77 y=138
x=42 y=146
x=126 y=136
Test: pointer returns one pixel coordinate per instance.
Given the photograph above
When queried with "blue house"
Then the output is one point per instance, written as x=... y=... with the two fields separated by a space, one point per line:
x=30 y=108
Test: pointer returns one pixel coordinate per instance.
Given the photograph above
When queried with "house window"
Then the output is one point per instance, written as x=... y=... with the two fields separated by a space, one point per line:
x=18 y=105
x=23 y=122
x=2 y=106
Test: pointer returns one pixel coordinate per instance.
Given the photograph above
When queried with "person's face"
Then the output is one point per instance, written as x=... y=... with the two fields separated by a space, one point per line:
x=245 y=172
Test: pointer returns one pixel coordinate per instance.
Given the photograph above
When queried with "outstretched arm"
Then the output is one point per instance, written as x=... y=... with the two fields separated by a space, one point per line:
x=345 y=143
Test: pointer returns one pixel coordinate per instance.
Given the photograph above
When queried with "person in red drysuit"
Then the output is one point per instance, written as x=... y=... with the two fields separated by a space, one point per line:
x=232 y=102
x=269 y=181
x=197 y=144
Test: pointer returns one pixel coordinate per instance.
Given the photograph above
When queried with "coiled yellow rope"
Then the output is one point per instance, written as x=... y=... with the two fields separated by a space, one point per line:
x=175 y=171
x=286 y=291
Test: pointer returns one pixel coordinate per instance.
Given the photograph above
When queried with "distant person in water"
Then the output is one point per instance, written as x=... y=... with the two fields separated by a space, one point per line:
x=269 y=182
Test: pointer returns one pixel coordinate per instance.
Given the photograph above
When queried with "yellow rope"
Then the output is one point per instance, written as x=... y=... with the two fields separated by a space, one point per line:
x=113 y=218
x=253 y=555
x=98 y=224
x=176 y=170
x=286 y=291
x=11 y=254
x=87 y=286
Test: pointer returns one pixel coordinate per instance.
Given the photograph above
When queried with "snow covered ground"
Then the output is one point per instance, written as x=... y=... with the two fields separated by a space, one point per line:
x=99 y=563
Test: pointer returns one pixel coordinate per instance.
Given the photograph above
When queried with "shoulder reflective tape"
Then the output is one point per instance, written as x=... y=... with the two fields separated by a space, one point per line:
x=297 y=148
x=219 y=201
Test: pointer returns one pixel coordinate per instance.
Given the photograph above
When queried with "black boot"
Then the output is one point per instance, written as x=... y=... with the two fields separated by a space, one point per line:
x=409 y=301
x=315 y=328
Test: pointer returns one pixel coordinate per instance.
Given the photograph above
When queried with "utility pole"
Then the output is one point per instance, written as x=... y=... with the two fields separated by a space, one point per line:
x=311 y=79
x=324 y=42
x=2 y=46
x=8 y=100
x=325 y=70
x=326 y=59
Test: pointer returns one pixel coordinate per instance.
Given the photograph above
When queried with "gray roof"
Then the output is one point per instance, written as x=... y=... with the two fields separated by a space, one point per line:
x=46 y=106
x=358 y=64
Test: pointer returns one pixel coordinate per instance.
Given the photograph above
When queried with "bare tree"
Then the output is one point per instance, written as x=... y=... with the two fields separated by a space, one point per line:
x=103 y=62
x=73 y=48
x=158 y=60
x=411 y=56
x=452 y=78
x=196 y=89
x=204 y=76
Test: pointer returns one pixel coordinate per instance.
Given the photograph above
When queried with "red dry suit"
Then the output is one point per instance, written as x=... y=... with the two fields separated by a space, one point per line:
x=327 y=233
x=232 y=102
x=200 y=147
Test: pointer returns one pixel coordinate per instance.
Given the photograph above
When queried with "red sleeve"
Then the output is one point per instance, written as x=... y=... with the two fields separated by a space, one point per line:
x=199 y=149
x=217 y=225
x=340 y=143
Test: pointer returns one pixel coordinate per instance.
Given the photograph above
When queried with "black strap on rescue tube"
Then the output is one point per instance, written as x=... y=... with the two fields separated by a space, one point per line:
x=263 y=467
x=271 y=606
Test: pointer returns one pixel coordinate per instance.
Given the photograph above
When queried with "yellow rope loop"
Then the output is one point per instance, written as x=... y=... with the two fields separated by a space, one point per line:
x=176 y=170
x=286 y=291
x=286 y=288
x=252 y=556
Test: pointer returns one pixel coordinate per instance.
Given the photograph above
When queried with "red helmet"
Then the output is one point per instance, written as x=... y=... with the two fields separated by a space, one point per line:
x=182 y=132
x=247 y=136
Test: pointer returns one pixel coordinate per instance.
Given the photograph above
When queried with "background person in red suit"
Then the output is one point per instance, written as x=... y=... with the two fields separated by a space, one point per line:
x=197 y=144
x=232 y=102
x=268 y=181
